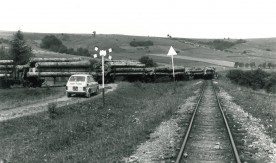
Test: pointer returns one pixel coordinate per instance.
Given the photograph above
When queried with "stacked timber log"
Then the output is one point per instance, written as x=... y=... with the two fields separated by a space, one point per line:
x=126 y=68
x=6 y=71
x=168 y=71
x=6 y=68
x=125 y=64
x=59 y=69
x=197 y=72
x=33 y=61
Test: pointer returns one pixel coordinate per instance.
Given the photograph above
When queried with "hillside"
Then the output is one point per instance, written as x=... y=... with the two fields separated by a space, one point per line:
x=253 y=50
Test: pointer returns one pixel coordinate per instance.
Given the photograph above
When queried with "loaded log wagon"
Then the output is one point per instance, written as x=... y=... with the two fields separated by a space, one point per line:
x=195 y=72
x=209 y=72
x=179 y=72
x=129 y=69
x=6 y=73
x=134 y=70
x=39 y=70
x=45 y=68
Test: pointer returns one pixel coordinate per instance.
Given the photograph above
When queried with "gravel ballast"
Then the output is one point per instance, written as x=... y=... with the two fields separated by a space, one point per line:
x=255 y=138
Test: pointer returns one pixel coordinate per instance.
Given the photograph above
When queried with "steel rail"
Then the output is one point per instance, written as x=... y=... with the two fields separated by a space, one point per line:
x=180 y=154
x=228 y=128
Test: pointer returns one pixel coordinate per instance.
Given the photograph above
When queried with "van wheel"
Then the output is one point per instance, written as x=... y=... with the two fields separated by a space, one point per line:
x=88 y=93
x=68 y=94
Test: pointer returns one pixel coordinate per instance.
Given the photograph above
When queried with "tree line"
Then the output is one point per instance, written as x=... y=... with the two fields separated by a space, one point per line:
x=135 y=43
x=253 y=65
x=221 y=44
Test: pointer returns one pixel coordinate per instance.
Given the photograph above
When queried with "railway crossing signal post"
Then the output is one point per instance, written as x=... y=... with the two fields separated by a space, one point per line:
x=103 y=53
x=171 y=53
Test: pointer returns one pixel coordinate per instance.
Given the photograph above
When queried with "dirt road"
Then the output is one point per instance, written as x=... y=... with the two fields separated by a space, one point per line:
x=212 y=61
x=40 y=107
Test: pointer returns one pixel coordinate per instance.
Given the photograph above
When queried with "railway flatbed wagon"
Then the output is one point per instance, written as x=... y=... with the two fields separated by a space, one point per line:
x=209 y=72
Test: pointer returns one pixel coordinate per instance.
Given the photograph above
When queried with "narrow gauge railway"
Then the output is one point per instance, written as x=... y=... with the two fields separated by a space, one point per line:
x=208 y=137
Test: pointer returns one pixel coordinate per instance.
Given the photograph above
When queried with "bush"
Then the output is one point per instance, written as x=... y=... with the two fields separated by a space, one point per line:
x=135 y=43
x=256 y=79
x=148 y=61
x=241 y=64
x=4 y=53
x=52 y=110
x=52 y=43
x=2 y=40
x=236 y=64
x=221 y=44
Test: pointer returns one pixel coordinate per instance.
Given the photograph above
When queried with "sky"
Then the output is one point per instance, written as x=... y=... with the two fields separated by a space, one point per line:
x=178 y=18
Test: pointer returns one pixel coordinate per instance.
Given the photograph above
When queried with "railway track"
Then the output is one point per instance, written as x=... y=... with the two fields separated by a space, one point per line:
x=208 y=137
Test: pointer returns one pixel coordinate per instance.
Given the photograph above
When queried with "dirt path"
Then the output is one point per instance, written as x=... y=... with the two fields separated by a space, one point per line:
x=212 y=61
x=40 y=107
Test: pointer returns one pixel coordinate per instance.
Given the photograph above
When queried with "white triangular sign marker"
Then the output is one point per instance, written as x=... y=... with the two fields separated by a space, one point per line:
x=96 y=48
x=172 y=51
x=109 y=50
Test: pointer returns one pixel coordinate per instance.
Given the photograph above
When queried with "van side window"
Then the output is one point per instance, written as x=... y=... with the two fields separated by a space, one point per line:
x=88 y=79
x=92 y=79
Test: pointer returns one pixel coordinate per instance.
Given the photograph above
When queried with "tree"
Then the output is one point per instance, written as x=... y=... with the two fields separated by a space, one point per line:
x=147 y=61
x=264 y=65
x=50 y=41
x=246 y=65
x=241 y=64
x=236 y=64
x=269 y=65
x=20 y=52
x=252 y=64
x=4 y=53
x=273 y=65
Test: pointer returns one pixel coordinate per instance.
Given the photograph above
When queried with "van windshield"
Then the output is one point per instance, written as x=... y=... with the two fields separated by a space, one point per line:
x=77 y=78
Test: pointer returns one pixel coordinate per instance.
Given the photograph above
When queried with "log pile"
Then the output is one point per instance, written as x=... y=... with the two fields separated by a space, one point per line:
x=53 y=74
x=126 y=68
x=6 y=68
x=125 y=64
x=65 y=68
x=63 y=64
x=166 y=70
x=35 y=60
x=195 y=71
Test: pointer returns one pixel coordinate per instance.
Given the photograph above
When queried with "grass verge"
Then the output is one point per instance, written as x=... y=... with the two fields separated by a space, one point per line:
x=86 y=132
x=16 y=97
x=260 y=104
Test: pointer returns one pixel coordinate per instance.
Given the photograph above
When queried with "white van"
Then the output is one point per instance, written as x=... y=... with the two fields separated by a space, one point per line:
x=81 y=84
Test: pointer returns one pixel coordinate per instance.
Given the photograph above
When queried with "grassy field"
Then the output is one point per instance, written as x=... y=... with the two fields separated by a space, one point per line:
x=257 y=50
x=86 y=132
x=258 y=103
x=16 y=97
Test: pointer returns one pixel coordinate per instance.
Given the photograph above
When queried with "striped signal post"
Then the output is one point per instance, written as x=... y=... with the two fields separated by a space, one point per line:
x=103 y=53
